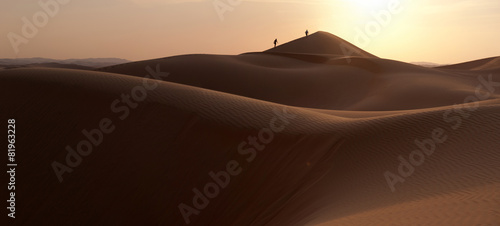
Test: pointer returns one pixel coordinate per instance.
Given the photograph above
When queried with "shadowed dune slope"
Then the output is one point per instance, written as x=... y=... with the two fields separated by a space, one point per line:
x=319 y=168
x=354 y=83
x=301 y=75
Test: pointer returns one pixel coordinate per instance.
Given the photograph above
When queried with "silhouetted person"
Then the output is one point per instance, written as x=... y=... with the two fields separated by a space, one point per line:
x=307 y=32
x=275 y=42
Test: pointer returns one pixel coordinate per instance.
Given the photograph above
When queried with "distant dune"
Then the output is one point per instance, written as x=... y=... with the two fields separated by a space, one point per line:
x=46 y=62
x=427 y=64
x=296 y=135
x=482 y=64
x=50 y=65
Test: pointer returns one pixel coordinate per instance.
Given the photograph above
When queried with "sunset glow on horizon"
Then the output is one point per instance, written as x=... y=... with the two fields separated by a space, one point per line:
x=444 y=31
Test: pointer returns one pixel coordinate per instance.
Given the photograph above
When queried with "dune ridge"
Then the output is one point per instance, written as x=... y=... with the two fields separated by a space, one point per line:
x=320 y=43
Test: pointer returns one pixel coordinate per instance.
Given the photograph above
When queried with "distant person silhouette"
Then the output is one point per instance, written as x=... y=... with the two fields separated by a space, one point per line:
x=275 y=42
x=307 y=32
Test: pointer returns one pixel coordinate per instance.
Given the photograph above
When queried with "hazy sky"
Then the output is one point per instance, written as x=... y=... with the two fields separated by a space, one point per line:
x=441 y=31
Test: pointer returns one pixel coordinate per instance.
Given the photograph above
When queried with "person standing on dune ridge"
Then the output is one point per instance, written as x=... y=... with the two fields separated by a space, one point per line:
x=275 y=42
x=307 y=32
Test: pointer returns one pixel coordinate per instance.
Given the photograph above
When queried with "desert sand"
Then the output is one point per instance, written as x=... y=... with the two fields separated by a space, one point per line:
x=330 y=132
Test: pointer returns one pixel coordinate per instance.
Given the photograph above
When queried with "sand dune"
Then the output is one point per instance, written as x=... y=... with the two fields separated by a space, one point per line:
x=88 y=63
x=482 y=64
x=50 y=65
x=310 y=137
x=321 y=43
x=335 y=83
